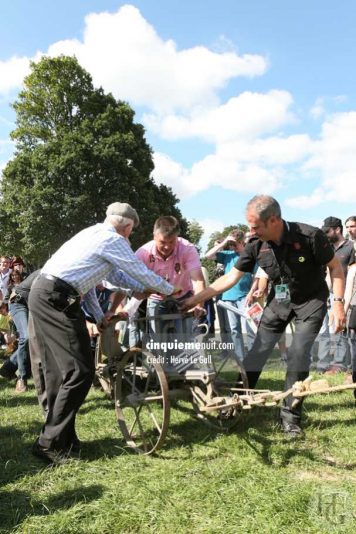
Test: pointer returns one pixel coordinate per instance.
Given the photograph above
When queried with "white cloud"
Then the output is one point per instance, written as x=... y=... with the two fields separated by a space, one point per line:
x=307 y=201
x=210 y=226
x=318 y=109
x=245 y=116
x=334 y=158
x=171 y=173
x=320 y=106
x=125 y=55
x=270 y=150
x=257 y=165
x=12 y=73
x=215 y=170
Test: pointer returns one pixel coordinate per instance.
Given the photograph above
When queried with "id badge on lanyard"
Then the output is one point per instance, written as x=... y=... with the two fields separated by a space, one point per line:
x=282 y=293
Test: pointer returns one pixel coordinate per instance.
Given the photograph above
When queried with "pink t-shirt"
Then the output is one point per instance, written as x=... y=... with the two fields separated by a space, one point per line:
x=176 y=268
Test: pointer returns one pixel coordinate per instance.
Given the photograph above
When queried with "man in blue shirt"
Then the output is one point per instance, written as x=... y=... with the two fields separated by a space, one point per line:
x=236 y=295
x=75 y=269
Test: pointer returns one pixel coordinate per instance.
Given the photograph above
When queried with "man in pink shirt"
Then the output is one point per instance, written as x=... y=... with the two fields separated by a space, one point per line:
x=174 y=259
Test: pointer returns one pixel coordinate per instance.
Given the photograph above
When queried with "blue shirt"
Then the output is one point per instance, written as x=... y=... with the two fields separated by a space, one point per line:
x=116 y=280
x=239 y=291
x=88 y=258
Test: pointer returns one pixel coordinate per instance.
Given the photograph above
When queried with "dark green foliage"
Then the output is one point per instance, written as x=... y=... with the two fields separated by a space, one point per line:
x=194 y=233
x=77 y=150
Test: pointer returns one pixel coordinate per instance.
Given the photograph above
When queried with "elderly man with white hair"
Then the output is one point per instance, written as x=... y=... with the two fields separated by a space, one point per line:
x=81 y=263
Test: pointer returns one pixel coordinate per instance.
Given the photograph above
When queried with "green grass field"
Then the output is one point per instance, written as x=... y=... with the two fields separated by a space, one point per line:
x=249 y=481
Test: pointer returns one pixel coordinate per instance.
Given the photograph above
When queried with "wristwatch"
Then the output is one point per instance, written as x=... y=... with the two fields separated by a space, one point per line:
x=339 y=299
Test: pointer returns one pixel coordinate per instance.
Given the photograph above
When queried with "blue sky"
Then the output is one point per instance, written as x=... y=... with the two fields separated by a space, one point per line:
x=237 y=97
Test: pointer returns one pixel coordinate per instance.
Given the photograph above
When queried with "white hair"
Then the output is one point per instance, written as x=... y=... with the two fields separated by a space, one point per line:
x=118 y=221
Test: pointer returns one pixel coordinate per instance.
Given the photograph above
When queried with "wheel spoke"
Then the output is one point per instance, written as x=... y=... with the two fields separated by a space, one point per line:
x=153 y=398
x=134 y=374
x=137 y=413
x=147 y=383
x=126 y=378
x=223 y=363
x=142 y=432
x=227 y=373
x=154 y=418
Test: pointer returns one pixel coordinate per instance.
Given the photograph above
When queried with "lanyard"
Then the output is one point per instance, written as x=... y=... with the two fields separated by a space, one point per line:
x=283 y=272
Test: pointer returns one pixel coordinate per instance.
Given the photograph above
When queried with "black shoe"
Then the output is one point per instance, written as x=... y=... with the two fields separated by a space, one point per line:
x=53 y=456
x=8 y=370
x=292 y=430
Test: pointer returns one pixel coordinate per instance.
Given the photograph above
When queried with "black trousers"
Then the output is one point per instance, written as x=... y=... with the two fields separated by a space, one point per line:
x=37 y=369
x=66 y=359
x=269 y=332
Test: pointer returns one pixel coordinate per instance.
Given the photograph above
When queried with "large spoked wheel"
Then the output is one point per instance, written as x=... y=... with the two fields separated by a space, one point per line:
x=141 y=401
x=103 y=373
x=229 y=373
x=108 y=351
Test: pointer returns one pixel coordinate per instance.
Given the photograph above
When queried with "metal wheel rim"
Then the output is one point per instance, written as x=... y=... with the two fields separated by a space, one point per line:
x=127 y=370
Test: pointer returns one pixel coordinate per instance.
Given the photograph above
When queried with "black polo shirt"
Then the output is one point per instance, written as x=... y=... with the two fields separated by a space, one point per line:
x=299 y=261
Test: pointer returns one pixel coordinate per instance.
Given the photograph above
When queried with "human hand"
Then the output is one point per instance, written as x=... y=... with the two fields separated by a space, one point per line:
x=143 y=295
x=230 y=239
x=199 y=311
x=187 y=304
x=176 y=291
x=92 y=329
x=338 y=316
x=122 y=315
x=258 y=293
x=102 y=324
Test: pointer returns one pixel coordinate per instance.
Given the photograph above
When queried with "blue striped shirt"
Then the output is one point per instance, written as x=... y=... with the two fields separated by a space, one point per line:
x=88 y=257
x=116 y=280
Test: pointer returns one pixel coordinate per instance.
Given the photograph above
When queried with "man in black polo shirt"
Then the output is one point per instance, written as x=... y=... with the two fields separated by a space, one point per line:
x=343 y=248
x=294 y=256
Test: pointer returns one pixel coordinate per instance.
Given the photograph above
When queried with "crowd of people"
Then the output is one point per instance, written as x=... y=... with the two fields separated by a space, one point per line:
x=59 y=309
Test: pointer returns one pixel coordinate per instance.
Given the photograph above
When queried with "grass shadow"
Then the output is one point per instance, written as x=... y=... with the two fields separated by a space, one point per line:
x=97 y=402
x=18 y=400
x=17 y=505
x=105 y=448
x=15 y=455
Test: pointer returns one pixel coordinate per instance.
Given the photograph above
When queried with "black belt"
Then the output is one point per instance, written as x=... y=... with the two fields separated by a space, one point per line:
x=60 y=284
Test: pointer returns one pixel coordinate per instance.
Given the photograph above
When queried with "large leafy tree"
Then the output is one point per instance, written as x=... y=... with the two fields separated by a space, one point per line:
x=77 y=150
